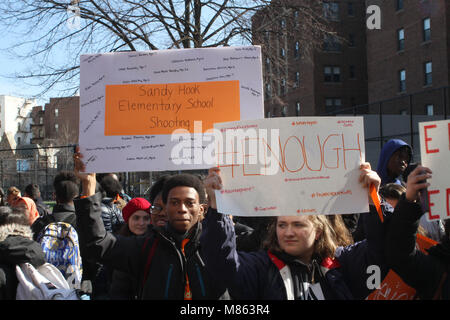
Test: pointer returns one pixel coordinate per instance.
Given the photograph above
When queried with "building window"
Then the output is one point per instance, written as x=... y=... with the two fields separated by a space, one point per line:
x=402 y=80
x=267 y=65
x=351 y=40
x=351 y=9
x=268 y=114
x=296 y=16
x=297 y=50
x=283 y=87
x=268 y=91
x=332 y=74
x=399 y=4
x=18 y=140
x=283 y=23
x=41 y=120
x=56 y=112
x=331 y=43
x=297 y=108
x=426 y=29
x=429 y=108
x=284 y=111
x=56 y=127
x=332 y=104
x=428 y=71
x=401 y=39
x=297 y=80
x=352 y=74
x=331 y=11
x=404 y=112
x=282 y=52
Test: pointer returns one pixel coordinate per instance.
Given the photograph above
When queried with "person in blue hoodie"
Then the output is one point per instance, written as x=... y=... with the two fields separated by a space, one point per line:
x=302 y=258
x=395 y=157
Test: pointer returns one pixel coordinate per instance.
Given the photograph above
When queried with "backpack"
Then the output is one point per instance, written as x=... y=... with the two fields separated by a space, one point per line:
x=44 y=283
x=59 y=241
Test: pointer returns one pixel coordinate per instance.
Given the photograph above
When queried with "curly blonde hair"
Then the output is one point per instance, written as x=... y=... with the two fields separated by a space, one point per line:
x=324 y=247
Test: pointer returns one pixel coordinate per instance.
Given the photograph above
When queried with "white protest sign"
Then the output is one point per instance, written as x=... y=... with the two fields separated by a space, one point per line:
x=291 y=166
x=435 y=154
x=132 y=102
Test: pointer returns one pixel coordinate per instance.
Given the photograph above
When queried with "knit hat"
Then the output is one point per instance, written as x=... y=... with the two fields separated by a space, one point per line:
x=134 y=205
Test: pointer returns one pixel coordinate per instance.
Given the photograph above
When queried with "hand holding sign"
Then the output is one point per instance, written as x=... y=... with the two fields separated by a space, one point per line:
x=417 y=182
x=213 y=182
x=88 y=180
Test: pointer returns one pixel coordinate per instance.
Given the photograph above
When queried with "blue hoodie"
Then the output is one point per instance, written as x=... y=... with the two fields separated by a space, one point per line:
x=386 y=153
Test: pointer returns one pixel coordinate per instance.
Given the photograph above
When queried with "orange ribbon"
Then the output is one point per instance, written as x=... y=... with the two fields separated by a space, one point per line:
x=376 y=201
x=187 y=288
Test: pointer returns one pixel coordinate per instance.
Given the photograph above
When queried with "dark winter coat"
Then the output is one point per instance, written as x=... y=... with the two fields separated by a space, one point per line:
x=386 y=153
x=169 y=266
x=421 y=272
x=16 y=247
x=111 y=215
x=256 y=275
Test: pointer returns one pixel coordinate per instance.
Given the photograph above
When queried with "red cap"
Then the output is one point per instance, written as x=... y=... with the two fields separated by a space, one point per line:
x=134 y=205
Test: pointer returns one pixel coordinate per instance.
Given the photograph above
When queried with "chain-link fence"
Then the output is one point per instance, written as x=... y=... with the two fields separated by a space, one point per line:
x=39 y=165
x=398 y=118
x=32 y=164
x=384 y=120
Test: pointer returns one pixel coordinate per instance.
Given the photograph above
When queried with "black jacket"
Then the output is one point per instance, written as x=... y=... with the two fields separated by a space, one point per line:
x=422 y=272
x=14 y=250
x=169 y=266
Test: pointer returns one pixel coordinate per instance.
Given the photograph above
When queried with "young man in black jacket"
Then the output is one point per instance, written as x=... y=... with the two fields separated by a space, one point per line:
x=166 y=263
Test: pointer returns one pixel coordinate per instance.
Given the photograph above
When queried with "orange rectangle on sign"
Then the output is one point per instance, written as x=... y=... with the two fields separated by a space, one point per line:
x=138 y=109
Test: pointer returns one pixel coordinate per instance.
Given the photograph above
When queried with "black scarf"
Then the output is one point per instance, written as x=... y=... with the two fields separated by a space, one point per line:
x=302 y=273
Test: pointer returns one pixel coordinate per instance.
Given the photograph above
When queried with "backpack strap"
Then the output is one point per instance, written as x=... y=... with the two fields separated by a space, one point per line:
x=147 y=254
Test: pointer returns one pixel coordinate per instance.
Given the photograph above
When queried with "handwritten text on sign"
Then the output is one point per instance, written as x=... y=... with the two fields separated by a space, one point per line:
x=291 y=166
x=131 y=104
x=435 y=153
x=163 y=108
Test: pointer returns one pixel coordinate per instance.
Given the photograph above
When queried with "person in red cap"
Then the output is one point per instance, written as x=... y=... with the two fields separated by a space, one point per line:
x=136 y=214
x=137 y=217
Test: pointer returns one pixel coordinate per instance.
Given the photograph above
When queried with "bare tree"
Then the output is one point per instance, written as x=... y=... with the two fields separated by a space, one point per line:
x=91 y=26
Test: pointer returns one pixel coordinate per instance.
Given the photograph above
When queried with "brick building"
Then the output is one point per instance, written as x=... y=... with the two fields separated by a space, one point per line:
x=408 y=58
x=325 y=80
x=62 y=119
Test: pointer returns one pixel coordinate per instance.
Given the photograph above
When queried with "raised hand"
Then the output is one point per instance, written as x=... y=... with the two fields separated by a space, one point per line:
x=417 y=181
x=88 y=180
x=213 y=182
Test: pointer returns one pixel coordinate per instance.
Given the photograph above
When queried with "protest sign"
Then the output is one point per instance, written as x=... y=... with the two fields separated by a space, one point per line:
x=131 y=103
x=435 y=154
x=393 y=287
x=291 y=166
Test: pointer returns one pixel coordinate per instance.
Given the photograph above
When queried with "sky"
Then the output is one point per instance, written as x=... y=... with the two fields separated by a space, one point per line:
x=9 y=67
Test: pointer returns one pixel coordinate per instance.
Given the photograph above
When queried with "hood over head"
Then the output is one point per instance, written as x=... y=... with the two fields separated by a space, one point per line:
x=386 y=153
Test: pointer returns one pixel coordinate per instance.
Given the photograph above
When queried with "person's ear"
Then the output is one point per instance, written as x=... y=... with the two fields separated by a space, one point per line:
x=318 y=234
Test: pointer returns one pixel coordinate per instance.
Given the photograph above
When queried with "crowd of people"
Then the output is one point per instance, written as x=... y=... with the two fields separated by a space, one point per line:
x=176 y=245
